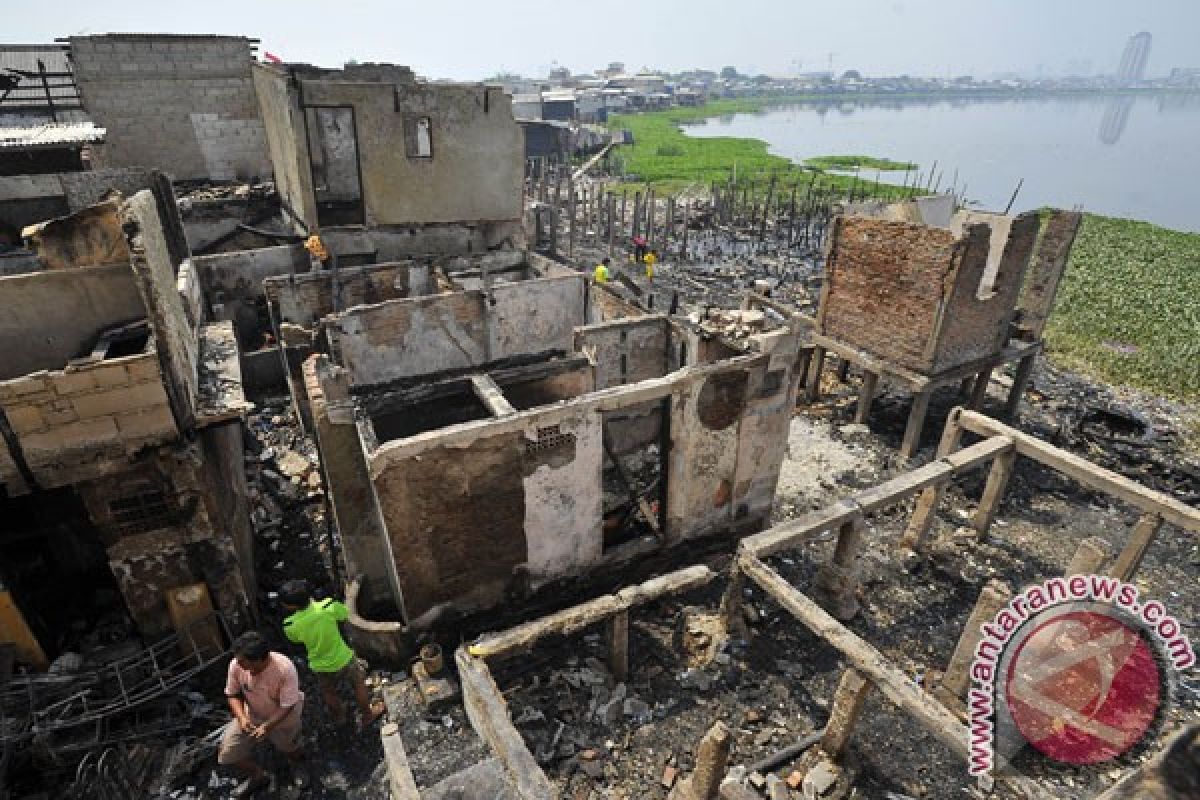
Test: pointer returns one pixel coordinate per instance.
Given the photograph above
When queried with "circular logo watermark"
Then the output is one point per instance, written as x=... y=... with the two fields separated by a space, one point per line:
x=1083 y=687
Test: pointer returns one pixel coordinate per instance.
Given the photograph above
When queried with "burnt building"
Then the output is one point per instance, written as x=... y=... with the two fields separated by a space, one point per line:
x=121 y=414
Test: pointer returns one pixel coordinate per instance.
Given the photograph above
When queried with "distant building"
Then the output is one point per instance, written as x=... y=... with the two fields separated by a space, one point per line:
x=1133 y=62
x=1184 y=78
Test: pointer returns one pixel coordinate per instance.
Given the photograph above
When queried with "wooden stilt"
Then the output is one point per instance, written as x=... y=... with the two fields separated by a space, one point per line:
x=1135 y=549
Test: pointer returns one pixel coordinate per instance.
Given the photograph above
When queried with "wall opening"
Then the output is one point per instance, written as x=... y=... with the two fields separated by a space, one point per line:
x=455 y=406
x=53 y=560
x=333 y=157
x=633 y=478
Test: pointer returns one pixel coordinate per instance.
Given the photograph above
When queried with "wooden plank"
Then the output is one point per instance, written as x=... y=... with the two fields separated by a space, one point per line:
x=488 y=712
x=866 y=659
x=572 y=619
x=400 y=776
x=1135 y=549
x=1087 y=473
x=902 y=487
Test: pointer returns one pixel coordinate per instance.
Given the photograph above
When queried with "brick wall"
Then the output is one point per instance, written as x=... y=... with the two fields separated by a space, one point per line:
x=185 y=104
x=85 y=422
x=884 y=283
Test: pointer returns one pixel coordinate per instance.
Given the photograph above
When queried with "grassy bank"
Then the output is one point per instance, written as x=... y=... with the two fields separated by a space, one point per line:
x=859 y=162
x=666 y=158
x=1128 y=309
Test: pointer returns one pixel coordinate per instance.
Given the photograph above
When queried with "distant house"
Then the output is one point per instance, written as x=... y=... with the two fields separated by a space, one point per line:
x=527 y=106
x=558 y=105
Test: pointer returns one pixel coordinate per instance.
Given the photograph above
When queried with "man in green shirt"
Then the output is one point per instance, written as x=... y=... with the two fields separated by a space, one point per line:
x=314 y=624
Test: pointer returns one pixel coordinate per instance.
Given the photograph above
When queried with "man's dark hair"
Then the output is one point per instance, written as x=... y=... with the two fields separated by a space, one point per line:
x=251 y=646
x=295 y=593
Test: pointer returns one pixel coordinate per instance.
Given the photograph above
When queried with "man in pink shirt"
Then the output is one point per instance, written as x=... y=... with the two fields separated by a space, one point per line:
x=264 y=695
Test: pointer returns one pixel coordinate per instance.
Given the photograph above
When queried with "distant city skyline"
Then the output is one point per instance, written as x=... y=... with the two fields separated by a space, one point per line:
x=473 y=39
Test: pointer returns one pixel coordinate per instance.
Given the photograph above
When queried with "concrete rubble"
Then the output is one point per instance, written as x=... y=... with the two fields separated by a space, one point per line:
x=628 y=540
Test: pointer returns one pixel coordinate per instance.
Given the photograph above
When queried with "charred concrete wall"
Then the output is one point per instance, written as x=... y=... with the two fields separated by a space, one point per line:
x=305 y=299
x=915 y=295
x=427 y=153
x=185 y=104
x=456 y=330
x=52 y=317
x=541 y=488
x=626 y=351
x=179 y=516
x=536 y=478
x=152 y=242
x=28 y=199
x=233 y=285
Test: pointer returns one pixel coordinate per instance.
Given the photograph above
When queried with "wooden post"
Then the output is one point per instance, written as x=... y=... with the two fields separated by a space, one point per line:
x=993 y=492
x=843 y=369
x=957 y=677
x=916 y=422
x=812 y=389
x=731 y=600
x=687 y=213
x=612 y=226
x=847 y=706
x=1089 y=557
x=866 y=396
x=624 y=203
x=668 y=228
x=1020 y=384
x=618 y=646
x=837 y=580
x=1135 y=549
x=650 y=209
x=712 y=758
x=637 y=215
x=913 y=540
x=979 y=392
x=571 y=236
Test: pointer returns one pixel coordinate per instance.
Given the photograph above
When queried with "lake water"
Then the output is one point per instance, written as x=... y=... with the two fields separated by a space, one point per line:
x=1123 y=156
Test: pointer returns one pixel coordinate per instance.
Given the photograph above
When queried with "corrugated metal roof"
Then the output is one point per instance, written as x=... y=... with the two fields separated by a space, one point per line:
x=39 y=137
x=30 y=90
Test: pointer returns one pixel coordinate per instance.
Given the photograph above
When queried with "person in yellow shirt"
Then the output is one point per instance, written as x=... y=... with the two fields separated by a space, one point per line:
x=650 y=260
x=600 y=274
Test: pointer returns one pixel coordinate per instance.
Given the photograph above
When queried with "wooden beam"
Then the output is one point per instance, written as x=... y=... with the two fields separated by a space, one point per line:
x=1087 y=473
x=1135 y=549
x=491 y=396
x=489 y=715
x=572 y=619
x=894 y=684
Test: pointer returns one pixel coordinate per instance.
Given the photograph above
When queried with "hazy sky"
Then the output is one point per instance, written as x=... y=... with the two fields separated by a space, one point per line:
x=476 y=38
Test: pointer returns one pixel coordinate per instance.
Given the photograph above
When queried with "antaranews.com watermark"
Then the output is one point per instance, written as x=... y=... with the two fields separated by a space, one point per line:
x=1074 y=661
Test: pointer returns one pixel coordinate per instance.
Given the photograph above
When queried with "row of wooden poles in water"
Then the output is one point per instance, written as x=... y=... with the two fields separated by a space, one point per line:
x=788 y=210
